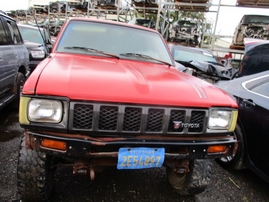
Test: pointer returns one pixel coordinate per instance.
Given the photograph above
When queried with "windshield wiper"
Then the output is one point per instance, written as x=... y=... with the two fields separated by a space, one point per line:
x=91 y=50
x=144 y=56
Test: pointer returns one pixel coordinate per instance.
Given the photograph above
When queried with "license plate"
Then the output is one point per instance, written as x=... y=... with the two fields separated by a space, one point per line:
x=139 y=158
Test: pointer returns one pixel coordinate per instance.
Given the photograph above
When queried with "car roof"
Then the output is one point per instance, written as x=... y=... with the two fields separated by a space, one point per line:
x=255 y=15
x=4 y=14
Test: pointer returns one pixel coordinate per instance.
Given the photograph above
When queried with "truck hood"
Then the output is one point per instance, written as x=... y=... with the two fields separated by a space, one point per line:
x=119 y=80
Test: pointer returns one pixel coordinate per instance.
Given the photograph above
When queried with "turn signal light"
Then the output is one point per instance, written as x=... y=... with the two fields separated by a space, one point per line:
x=53 y=144
x=216 y=149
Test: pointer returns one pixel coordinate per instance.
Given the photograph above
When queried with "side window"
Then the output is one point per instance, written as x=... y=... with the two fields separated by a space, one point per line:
x=262 y=89
x=15 y=34
x=259 y=86
x=3 y=34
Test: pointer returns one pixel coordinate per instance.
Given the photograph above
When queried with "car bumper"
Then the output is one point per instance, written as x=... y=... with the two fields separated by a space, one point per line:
x=108 y=147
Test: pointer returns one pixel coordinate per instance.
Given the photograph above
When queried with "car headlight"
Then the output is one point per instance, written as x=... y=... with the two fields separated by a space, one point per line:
x=222 y=119
x=42 y=110
x=37 y=53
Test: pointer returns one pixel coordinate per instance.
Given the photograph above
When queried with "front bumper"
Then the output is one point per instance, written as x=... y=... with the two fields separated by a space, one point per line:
x=82 y=146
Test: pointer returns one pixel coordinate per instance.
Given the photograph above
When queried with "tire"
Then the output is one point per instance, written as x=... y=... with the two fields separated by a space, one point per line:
x=195 y=181
x=236 y=160
x=34 y=175
x=17 y=88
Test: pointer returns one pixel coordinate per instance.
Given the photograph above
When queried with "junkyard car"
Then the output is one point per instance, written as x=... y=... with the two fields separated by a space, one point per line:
x=14 y=62
x=251 y=26
x=255 y=58
x=38 y=43
x=110 y=95
x=252 y=95
x=185 y=31
x=201 y=63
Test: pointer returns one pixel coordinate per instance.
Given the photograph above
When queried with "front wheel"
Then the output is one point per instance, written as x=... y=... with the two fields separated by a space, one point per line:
x=195 y=181
x=35 y=175
x=235 y=161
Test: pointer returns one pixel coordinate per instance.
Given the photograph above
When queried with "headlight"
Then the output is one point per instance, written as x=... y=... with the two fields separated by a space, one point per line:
x=222 y=119
x=38 y=53
x=42 y=110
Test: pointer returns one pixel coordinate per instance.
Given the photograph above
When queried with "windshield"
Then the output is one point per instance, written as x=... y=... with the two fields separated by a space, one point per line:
x=188 y=55
x=256 y=19
x=113 y=39
x=30 y=34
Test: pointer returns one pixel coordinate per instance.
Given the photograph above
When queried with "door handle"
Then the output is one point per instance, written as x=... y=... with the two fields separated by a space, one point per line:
x=249 y=102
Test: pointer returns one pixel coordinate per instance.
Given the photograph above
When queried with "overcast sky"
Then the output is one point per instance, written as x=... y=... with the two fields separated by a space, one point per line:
x=228 y=16
x=227 y=19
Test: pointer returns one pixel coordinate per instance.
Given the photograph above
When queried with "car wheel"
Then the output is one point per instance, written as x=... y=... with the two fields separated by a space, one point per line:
x=236 y=160
x=193 y=182
x=35 y=176
x=17 y=88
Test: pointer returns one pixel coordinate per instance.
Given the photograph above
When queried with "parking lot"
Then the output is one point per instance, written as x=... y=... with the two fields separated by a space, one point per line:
x=114 y=185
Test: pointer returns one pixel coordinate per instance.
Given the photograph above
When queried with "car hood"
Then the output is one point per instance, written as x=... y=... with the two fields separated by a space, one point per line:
x=80 y=77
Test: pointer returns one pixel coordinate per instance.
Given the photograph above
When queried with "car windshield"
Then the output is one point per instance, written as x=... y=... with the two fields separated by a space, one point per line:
x=113 y=40
x=256 y=19
x=30 y=34
x=187 y=55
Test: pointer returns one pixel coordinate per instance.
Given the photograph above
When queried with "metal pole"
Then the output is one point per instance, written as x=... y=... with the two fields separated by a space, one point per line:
x=215 y=26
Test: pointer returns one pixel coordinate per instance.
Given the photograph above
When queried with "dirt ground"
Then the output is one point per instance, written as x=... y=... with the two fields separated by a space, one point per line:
x=112 y=185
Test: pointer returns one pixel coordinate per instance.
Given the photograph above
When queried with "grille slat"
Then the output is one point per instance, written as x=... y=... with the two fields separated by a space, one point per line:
x=108 y=118
x=136 y=119
x=155 y=120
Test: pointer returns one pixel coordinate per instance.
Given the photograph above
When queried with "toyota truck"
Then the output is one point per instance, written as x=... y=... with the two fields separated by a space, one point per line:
x=110 y=94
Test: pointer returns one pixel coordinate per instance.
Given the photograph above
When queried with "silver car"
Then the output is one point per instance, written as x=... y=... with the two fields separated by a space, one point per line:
x=14 y=61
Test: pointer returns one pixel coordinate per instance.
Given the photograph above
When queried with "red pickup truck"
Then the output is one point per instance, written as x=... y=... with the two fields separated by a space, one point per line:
x=110 y=94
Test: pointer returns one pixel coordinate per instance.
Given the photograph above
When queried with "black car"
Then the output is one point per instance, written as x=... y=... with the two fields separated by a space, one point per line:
x=38 y=43
x=252 y=95
x=256 y=58
x=201 y=63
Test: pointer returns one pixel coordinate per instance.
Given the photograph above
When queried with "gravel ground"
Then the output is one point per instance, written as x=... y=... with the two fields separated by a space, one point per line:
x=149 y=185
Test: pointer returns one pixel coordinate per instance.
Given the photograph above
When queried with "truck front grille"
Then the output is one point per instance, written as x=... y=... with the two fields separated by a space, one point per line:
x=121 y=118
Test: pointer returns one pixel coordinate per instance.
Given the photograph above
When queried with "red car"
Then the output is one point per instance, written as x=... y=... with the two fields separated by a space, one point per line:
x=110 y=94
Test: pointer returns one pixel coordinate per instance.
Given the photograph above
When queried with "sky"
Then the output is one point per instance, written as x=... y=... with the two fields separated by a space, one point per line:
x=227 y=19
